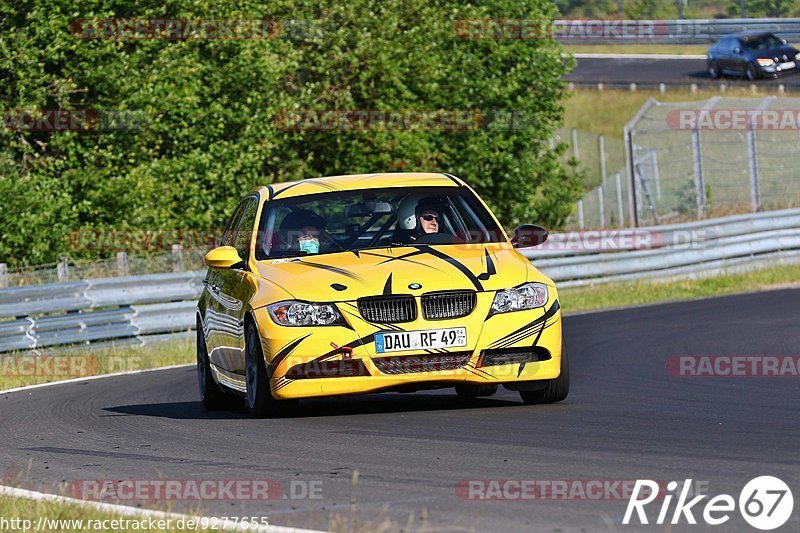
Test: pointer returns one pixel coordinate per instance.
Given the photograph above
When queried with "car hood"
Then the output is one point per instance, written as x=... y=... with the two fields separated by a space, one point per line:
x=346 y=276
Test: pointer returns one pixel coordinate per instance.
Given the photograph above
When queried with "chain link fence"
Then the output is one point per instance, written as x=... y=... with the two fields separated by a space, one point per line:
x=695 y=160
x=123 y=264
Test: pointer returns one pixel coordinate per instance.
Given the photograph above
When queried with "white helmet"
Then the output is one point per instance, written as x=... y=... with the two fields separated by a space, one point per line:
x=406 y=212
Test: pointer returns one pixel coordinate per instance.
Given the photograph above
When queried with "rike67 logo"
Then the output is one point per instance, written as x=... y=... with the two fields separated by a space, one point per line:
x=765 y=503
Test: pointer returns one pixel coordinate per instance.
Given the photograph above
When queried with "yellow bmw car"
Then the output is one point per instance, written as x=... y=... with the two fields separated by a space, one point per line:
x=375 y=282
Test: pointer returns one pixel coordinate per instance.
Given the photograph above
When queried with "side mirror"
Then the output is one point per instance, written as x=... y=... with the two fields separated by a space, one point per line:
x=528 y=235
x=223 y=257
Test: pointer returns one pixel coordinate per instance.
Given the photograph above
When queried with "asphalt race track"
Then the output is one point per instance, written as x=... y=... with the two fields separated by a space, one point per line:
x=626 y=418
x=651 y=72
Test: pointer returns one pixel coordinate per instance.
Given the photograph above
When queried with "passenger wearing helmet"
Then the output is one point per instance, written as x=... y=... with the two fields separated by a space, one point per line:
x=301 y=230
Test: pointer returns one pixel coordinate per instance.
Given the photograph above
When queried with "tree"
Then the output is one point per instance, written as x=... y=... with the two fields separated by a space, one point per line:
x=206 y=112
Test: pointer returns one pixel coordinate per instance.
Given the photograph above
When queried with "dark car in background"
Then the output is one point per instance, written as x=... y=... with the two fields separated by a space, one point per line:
x=752 y=54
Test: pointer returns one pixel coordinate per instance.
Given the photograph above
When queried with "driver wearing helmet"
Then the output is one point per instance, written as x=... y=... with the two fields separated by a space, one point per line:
x=424 y=219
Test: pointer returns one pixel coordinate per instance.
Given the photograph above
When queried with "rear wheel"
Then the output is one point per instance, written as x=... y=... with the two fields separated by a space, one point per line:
x=260 y=401
x=466 y=390
x=555 y=390
x=211 y=396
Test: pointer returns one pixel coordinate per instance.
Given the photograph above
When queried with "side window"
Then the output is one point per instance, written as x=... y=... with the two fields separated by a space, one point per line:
x=244 y=230
x=227 y=237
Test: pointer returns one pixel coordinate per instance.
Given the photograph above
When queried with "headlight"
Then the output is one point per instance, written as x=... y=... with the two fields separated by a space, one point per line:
x=765 y=61
x=527 y=296
x=797 y=56
x=294 y=313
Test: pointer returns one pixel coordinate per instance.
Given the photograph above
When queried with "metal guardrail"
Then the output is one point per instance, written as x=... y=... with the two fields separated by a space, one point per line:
x=685 y=31
x=705 y=247
x=141 y=309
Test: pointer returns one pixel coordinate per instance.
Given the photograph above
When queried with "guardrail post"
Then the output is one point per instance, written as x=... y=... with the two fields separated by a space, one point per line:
x=575 y=151
x=63 y=270
x=600 y=206
x=177 y=254
x=620 y=209
x=580 y=214
x=122 y=263
x=3 y=275
x=752 y=157
x=699 y=182
x=602 y=142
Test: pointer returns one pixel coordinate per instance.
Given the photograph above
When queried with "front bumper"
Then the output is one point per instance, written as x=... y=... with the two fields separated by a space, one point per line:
x=335 y=360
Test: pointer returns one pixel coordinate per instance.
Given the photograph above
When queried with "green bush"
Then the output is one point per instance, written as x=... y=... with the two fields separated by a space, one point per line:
x=207 y=111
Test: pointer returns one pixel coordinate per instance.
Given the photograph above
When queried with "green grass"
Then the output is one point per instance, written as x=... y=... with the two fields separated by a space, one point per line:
x=20 y=369
x=611 y=295
x=25 y=509
x=607 y=48
x=606 y=112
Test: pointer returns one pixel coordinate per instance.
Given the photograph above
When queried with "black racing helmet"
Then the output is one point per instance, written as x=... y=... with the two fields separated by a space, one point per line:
x=302 y=218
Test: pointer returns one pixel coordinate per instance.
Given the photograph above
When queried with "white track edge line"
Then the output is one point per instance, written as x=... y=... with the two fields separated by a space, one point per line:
x=92 y=378
x=136 y=512
x=638 y=56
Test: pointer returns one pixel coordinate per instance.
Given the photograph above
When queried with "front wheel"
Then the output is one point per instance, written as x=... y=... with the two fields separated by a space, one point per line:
x=750 y=72
x=713 y=70
x=555 y=390
x=260 y=401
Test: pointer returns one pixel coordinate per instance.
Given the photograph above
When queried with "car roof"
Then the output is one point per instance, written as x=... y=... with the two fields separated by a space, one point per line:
x=749 y=34
x=360 y=181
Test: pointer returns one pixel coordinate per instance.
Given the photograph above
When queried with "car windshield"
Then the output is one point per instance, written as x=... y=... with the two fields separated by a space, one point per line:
x=375 y=218
x=762 y=42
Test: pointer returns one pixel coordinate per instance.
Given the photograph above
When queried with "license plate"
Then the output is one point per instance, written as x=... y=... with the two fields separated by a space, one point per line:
x=429 y=339
x=788 y=64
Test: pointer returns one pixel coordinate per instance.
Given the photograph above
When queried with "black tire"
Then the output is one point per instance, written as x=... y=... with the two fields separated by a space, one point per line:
x=713 y=70
x=259 y=399
x=556 y=390
x=751 y=72
x=467 y=390
x=211 y=396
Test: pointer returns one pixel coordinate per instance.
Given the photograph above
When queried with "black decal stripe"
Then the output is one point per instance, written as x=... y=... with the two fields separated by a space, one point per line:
x=405 y=255
x=286 y=350
x=490 y=269
x=521 y=336
x=526 y=329
x=387 y=288
x=452 y=178
x=331 y=268
x=476 y=369
x=303 y=182
x=456 y=263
